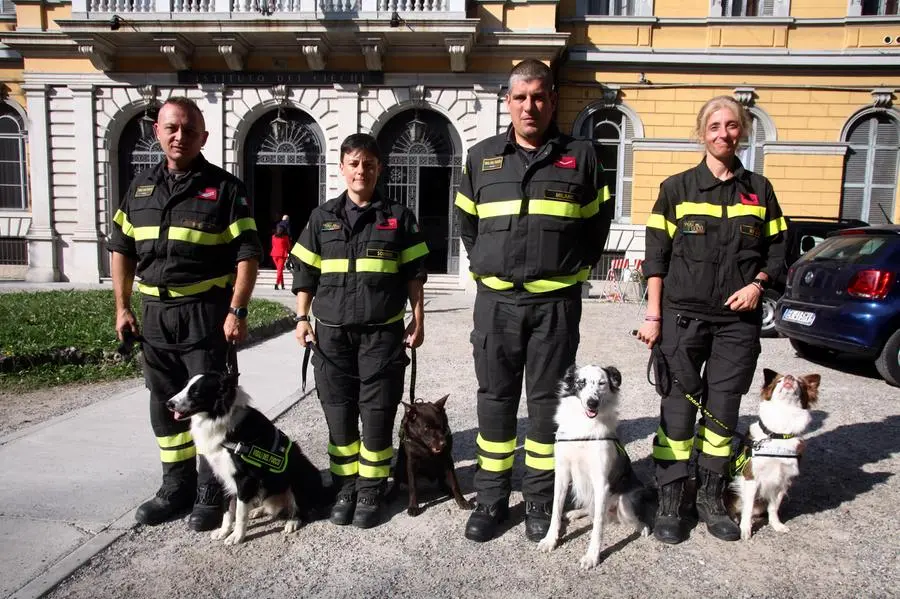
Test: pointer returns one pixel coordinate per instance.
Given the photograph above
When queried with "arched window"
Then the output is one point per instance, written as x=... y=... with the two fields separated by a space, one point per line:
x=751 y=153
x=13 y=177
x=870 y=168
x=613 y=131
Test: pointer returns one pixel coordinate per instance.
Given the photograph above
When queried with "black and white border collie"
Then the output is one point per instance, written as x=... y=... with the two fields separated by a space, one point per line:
x=763 y=480
x=591 y=459
x=256 y=462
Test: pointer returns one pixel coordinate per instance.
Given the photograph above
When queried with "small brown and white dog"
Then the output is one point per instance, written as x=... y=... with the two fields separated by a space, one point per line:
x=589 y=456
x=763 y=471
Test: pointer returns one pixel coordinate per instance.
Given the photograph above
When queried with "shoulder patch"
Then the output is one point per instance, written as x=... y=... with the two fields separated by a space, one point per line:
x=492 y=164
x=144 y=191
x=331 y=226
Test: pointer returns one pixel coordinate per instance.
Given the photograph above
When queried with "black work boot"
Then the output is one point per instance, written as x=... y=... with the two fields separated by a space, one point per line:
x=174 y=498
x=209 y=505
x=711 y=506
x=345 y=500
x=669 y=526
x=537 y=520
x=482 y=524
x=368 y=508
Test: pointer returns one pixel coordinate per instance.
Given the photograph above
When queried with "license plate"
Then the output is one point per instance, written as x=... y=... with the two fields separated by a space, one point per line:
x=798 y=316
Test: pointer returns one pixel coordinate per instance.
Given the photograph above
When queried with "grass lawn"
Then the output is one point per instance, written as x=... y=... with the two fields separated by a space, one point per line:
x=40 y=323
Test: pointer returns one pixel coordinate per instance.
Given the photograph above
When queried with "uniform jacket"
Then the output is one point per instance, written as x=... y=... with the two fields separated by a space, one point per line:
x=189 y=238
x=359 y=277
x=535 y=230
x=708 y=238
x=281 y=246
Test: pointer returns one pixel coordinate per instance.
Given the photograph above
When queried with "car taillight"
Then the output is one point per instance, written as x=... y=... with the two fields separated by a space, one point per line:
x=870 y=284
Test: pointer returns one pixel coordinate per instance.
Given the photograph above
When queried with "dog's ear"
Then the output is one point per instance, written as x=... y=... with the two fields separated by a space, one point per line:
x=440 y=403
x=614 y=376
x=812 y=387
x=410 y=410
x=769 y=375
x=568 y=382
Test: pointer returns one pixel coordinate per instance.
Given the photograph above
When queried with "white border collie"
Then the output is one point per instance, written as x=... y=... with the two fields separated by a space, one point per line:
x=590 y=457
x=762 y=481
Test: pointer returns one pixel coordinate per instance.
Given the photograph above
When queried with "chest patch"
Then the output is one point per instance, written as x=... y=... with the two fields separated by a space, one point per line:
x=144 y=191
x=750 y=199
x=751 y=230
x=331 y=226
x=566 y=162
x=210 y=194
x=492 y=164
x=693 y=227
x=381 y=253
x=562 y=196
x=388 y=225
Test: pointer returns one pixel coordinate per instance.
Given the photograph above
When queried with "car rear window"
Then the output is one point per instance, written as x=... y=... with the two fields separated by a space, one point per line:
x=849 y=248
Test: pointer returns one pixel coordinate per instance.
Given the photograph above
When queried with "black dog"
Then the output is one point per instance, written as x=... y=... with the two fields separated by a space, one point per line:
x=426 y=449
x=255 y=461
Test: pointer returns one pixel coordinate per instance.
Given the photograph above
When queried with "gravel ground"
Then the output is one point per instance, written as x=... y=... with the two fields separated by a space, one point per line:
x=840 y=544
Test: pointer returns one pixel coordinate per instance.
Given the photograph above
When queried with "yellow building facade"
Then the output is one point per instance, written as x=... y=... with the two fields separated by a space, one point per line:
x=282 y=82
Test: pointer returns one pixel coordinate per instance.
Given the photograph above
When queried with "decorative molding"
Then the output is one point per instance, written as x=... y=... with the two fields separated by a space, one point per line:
x=233 y=50
x=280 y=92
x=864 y=60
x=417 y=93
x=666 y=145
x=315 y=50
x=746 y=96
x=882 y=97
x=459 y=48
x=806 y=148
x=489 y=90
x=149 y=93
x=373 y=50
x=100 y=55
x=177 y=50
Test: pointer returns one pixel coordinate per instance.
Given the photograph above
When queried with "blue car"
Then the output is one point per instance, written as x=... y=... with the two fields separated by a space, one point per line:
x=844 y=296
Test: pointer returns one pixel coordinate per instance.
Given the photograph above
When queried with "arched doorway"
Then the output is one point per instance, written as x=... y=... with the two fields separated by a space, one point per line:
x=138 y=150
x=422 y=171
x=285 y=171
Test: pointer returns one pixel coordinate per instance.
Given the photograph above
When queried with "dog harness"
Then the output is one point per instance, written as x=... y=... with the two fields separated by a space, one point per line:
x=762 y=448
x=274 y=459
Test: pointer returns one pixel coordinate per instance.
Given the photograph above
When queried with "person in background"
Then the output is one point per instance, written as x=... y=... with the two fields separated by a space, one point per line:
x=281 y=247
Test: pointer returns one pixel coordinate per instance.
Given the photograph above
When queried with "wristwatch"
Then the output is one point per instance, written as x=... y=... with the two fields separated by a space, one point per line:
x=240 y=313
x=301 y=318
x=763 y=283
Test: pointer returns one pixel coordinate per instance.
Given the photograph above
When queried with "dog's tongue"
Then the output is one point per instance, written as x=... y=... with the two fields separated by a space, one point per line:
x=590 y=413
x=178 y=415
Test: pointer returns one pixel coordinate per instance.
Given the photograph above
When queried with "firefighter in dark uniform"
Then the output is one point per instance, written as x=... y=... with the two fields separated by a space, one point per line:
x=186 y=230
x=534 y=216
x=359 y=259
x=715 y=238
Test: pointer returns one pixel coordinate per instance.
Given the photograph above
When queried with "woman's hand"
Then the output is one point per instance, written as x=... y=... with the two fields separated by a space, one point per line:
x=304 y=333
x=649 y=332
x=745 y=299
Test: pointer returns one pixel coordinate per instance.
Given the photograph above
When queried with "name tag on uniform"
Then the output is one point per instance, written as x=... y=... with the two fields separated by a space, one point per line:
x=693 y=227
x=198 y=225
x=751 y=230
x=144 y=191
x=492 y=164
x=562 y=196
x=331 y=226
x=380 y=253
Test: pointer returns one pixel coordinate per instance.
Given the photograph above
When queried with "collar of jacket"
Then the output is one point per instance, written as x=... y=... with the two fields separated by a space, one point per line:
x=336 y=205
x=706 y=180
x=552 y=136
x=197 y=166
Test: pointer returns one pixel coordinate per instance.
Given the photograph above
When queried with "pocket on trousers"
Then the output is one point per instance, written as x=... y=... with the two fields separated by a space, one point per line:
x=479 y=354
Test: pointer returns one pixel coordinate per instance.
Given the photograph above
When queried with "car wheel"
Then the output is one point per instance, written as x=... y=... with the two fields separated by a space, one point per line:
x=813 y=352
x=888 y=363
x=769 y=299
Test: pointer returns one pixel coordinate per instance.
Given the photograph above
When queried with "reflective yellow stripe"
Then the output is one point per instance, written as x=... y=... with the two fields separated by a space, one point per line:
x=397 y=317
x=492 y=465
x=411 y=253
x=712 y=443
x=714 y=438
x=742 y=210
x=591 y=209
x=465 y=204
x=121 y=219
x=495 y=283
x=306 y=256
x=658 y=221
x=774 y=227
x=688 y=208
x=540 y=463
x=603 y=195
x=367 y=471
x=554 y=208
x=335 y=265
x=344 y=450
x=376 y=456
x=555 y=283
x=174 y=440
x=185 y=290
x=496 y=446
x=538 y=448
x=144 y=233
x=503 y=208
x=235 y=229
x=670 y=453
x=669 y=449
x=344 y=469
x=194 y=236
x=170 y=456
x=374 y=265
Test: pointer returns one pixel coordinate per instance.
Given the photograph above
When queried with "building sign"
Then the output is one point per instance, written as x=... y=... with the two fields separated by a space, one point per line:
x=276 y=77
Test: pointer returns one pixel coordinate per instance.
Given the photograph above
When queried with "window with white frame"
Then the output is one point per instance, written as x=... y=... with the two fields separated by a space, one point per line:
x=751 y=152
x=871 y=168
x=13 y=174
x=613 y=132
x=750 y=8
x=611 y=8
x=879 y=8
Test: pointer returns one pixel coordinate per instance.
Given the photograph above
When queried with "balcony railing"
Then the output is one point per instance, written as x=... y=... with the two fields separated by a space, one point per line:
x=317 y=9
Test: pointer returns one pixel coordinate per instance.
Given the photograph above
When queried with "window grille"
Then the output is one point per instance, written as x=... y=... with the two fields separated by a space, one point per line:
x=13 y=176
x=871 y=168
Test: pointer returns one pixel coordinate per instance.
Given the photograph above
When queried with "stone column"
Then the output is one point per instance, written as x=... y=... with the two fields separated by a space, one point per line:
x=85 y=267
x=214 y=115
x=346 y=104
x=42 y=239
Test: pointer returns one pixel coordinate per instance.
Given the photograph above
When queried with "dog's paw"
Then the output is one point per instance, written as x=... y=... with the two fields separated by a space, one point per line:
x=235 y=538
x=413 y=511
x=589 y=560
x=219 y=534
x=465 y=504
x=645 y=531
x=780 y=526
x=547 y=544
x=257 y=512
x=746 y=532
x=291 y=526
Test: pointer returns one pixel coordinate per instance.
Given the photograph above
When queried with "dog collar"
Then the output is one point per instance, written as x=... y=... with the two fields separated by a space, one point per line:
x=768 y=433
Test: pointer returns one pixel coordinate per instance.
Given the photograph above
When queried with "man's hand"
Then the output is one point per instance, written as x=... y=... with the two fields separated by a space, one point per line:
x=649 y=332
x=415 y=334
x=304 y=333
x=235 y=328
x=745 y=299
x=125 y=320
